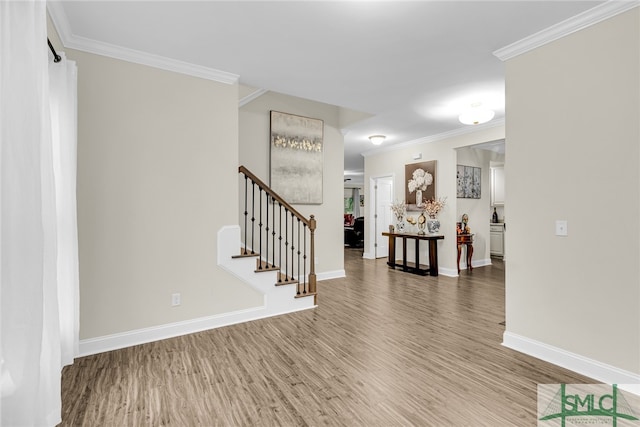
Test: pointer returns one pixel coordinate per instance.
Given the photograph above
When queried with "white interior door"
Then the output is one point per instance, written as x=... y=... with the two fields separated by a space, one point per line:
x=384 y=198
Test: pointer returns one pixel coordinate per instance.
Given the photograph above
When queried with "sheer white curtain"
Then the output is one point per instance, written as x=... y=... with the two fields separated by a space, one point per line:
x=63 y=105
x=38 y=251
x=356 y=202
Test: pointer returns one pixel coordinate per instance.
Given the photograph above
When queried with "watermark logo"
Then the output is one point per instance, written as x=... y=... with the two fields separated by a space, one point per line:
x=586 y=404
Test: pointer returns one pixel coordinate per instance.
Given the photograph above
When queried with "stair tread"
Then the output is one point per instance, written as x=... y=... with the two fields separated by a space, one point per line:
x=308 y=294
x=283 y=279
x=262 y=266
x=245 y=255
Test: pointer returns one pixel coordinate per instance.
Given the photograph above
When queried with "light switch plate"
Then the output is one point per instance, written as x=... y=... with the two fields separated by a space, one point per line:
x=561 y=227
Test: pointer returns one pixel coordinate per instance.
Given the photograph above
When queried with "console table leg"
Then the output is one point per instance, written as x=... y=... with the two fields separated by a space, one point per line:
x=433 y=257
x=391 y=261
x=404 y=254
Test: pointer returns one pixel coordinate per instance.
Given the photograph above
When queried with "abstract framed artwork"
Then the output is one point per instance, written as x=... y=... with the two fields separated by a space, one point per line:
x=419 y=183
x=468 y=182
x=296 y=151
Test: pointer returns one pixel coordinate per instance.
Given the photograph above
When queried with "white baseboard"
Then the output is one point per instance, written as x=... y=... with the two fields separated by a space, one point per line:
x=276 y=301
x=475 y=263
x=481 y=262
x=368 y=255
x=599 y=371
x=449 y=272
x=326 y=275
x=171 y=330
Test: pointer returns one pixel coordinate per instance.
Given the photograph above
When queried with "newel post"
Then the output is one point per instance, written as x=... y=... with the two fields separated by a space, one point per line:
x=312 y=261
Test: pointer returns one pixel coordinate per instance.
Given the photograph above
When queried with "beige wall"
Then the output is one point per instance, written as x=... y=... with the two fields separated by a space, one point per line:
x=572 y=154
x=157 y=166
x=392 y=162
x=254 y=154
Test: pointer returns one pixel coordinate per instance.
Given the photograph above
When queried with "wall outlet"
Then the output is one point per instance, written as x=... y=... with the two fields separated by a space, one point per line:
x=561 y=228
x=175 y=300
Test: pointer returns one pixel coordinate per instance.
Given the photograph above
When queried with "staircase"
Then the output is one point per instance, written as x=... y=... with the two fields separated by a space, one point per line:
x=272 y=250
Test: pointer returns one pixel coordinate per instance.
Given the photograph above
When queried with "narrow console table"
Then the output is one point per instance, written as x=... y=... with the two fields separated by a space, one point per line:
x=415 y=269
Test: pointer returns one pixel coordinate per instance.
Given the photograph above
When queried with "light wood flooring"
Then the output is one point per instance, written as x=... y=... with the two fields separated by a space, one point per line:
x=383 y=348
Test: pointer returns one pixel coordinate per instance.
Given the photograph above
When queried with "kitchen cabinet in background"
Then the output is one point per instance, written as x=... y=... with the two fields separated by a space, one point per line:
x=497 y=186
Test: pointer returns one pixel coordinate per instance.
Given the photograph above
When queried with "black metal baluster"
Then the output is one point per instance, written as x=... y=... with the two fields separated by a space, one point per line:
x=280 y=245
x=292 y=245
x=304 y=257
x=260 y=231
x=253 y=215
x=286 y=244
x=246 y=192
x=273 y=233
x=299 y=283
x=266 y=234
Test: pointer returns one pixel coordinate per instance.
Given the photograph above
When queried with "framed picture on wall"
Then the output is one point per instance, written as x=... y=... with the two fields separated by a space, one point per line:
x=475 y=185
x=419 y=184
x=468 y=182
x=296 y=151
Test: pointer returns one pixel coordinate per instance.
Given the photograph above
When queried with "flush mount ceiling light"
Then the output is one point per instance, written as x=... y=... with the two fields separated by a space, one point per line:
x=476 y=114
x=377 y=139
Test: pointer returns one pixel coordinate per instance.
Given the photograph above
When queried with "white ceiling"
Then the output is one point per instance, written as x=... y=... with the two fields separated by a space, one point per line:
x=411 y=65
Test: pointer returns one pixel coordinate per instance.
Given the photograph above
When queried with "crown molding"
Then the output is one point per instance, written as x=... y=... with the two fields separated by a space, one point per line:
x=576 y=23
x=70 y=40
x=151 y=60
x=435 y=138
x=253 y=95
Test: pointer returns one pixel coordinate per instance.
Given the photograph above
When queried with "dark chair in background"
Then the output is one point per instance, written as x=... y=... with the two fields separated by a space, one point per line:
x=355 y=237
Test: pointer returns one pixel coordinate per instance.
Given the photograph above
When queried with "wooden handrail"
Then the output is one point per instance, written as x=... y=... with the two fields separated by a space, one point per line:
x=277 y=197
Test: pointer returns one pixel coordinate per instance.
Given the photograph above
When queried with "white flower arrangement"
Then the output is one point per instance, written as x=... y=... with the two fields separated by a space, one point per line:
x=399 y=209
x=433 y=206
x=421 y=180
